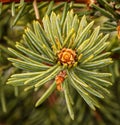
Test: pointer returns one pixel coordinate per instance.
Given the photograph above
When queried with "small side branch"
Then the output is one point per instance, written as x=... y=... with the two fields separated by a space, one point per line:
x=36 y=9
x=76 y=1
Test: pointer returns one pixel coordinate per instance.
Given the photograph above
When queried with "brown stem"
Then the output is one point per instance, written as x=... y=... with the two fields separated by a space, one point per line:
x=97 y=116
x=76 y=1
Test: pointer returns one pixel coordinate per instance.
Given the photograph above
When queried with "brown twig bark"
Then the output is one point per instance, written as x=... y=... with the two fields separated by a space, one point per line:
x=76 y=1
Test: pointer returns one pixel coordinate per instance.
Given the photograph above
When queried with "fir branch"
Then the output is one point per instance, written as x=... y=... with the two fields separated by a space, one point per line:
x=51 y=56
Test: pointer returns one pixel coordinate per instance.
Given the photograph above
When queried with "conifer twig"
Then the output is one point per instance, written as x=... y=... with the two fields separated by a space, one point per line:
x=76 y=1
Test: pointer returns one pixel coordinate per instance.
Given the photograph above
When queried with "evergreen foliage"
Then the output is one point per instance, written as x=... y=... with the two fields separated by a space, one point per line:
x=66 y=61
x=38 y=57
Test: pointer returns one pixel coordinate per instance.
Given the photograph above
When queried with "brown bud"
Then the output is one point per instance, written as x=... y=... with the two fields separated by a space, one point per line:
x=67 y=56
x=60 y=79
